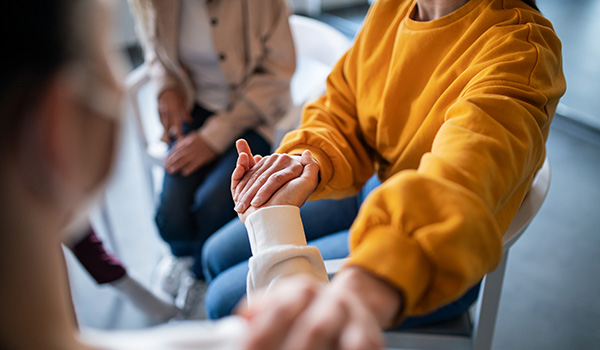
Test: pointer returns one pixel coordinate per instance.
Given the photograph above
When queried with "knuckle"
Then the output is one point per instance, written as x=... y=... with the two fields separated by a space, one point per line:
x=317 y=329
x=285 y=159
x=338 y=304
x=305 y=290
x=278 y=178
x=296 y=168
x=261 y=180
x=266 y=159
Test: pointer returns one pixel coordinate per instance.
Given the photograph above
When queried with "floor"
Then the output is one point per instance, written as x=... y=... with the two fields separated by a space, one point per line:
x=551 y=290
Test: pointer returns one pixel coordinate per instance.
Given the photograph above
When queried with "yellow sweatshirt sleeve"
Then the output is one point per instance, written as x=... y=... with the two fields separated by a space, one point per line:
x=331 y=131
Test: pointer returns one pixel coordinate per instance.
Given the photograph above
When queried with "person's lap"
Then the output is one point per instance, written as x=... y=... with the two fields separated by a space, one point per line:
x=227 y=289
x=229 y=245
x=193 y=207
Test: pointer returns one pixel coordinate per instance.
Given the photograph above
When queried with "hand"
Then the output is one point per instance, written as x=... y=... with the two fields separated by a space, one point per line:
x=266 y=175
x=188 y=154
x=294 y=192
x=173 y=114
x=301 y=314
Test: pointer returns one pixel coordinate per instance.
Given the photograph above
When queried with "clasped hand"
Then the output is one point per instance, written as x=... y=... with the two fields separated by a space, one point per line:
x=278 y=179
x=190 y=152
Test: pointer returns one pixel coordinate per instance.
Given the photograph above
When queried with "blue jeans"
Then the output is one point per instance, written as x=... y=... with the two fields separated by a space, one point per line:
x=326 y=224
x=192 y=207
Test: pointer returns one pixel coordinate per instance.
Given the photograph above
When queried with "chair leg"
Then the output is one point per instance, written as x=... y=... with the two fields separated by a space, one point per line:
x=487 y=308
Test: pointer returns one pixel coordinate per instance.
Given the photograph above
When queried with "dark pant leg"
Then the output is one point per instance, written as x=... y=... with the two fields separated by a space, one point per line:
x=174 y=219
x=445 y=312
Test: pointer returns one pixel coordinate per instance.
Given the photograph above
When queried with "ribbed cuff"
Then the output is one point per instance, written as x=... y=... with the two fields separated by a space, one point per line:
x=275 y=226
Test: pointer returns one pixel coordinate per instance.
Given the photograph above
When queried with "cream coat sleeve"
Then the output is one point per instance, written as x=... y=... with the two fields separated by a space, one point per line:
x=264 y=96
x=279 y=249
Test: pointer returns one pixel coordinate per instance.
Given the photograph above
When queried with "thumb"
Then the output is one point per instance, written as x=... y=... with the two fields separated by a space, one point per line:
x=311 y=167
x=240 y=170
x=242 y=147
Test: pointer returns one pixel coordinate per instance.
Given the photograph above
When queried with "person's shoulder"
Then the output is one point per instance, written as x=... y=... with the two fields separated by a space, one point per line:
x=523 y=14
x=507 y=22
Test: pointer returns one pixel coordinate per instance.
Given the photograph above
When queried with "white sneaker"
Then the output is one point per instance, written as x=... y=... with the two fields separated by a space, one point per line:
x=169 y=272
x=190 y=298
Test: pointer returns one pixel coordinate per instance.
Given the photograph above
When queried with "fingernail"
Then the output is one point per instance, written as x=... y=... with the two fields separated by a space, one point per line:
x=255 y=201
x=240 y=208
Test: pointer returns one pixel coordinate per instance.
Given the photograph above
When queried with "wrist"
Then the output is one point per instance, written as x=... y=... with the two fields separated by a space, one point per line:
x=379 y=296
x=274 y=226
x=205 y=144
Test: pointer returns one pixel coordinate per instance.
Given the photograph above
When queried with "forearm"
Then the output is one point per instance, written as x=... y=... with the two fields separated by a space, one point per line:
x=330 y=129
x=279 y=249
x=380 y=297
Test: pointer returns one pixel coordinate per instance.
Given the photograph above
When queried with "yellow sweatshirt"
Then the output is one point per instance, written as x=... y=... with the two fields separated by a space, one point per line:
x=453 y=115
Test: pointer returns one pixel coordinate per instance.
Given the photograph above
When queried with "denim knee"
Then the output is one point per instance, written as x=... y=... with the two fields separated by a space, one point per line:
x=224 y=249
x=226 y=291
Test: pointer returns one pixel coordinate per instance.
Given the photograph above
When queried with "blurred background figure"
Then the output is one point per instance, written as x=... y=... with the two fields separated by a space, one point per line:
x=59 y=121
x=221 y=70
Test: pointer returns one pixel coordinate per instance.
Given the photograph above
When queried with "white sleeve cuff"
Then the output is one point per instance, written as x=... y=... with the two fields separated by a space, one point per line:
x=275 y=226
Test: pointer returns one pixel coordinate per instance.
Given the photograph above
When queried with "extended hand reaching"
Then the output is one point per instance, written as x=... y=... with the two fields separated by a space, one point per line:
x=278 y=179
x=301 y=314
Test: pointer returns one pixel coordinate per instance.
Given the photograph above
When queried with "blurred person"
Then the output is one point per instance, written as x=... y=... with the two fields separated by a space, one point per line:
x=59 y=121
x=60 y=117
x=449 y=103
x=221 y=70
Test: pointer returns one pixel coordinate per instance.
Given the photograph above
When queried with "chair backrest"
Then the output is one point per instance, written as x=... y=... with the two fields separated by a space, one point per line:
x=318 y=47
x=316 y=39
x=486 y=308
x=144 y=107
x=530 y=206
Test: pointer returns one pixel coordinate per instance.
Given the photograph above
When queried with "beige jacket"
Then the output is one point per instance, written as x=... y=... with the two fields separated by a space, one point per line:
x=257 y=56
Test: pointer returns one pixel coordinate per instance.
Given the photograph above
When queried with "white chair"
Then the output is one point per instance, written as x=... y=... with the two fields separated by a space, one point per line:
x=318 y=47
x=473 y=332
